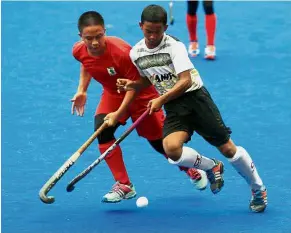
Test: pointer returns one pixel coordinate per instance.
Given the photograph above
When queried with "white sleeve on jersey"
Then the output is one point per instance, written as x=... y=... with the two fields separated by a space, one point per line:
x=133 y=58
x=180 y=58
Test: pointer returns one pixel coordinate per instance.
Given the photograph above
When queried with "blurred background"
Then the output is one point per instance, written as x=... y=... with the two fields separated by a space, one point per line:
x=250 y=81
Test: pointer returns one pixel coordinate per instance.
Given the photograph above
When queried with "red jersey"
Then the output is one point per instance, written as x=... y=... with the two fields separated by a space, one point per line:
x=113 y=64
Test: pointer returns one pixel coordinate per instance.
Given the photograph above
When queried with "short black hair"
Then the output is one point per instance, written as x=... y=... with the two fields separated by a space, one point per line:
x=154 y=14
x=90 y=18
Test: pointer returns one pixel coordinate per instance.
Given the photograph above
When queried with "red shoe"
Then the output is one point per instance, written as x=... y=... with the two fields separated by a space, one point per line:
x=198 y=178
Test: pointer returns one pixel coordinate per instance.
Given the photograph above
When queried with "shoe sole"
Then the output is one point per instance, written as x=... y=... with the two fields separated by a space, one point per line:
x=130 y=196
x=193 y=54
x=200 y=189
x=209 y=57
x=260 y=210
x=119 y=200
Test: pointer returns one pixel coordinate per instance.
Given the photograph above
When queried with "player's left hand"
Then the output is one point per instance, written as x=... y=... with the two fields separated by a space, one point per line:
x=78 y=103
x=155 y=105
x=111 y=119
x=124 y=85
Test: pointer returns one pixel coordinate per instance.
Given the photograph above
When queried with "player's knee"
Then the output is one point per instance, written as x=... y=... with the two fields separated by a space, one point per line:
x=158 y=146
x=98 y=121
x=173 y=149
x=192 y=7
x=228 y=149
x=107 y=134
x=208 y=7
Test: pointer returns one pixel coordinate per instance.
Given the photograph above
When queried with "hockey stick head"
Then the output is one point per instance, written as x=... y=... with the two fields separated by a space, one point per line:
x=70 y=188
x=172 y=20
x=46 y=199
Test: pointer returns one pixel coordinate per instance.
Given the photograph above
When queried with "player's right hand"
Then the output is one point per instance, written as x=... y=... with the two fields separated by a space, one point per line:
x=112 y=118
x=155 y=105
x=78 y=103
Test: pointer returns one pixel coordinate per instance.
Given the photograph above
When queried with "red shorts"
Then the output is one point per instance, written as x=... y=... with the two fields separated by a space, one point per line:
x=150 y=128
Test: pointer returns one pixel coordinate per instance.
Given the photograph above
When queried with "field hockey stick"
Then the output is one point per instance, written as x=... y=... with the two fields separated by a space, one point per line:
x=70 y=186
x=66 y=166
x=171 y=15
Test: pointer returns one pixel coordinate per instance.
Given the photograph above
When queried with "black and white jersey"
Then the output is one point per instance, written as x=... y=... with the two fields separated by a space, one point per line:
x=162 y=64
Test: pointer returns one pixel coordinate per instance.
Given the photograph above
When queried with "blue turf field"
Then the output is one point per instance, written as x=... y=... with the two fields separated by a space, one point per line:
x=250 y=81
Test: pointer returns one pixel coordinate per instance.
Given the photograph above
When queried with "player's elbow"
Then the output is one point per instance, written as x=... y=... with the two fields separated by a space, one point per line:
x=187 y=83
x=185 y=78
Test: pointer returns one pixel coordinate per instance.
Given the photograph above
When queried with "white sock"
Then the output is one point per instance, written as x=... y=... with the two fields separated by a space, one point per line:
x=244 y=165
x=191 y=158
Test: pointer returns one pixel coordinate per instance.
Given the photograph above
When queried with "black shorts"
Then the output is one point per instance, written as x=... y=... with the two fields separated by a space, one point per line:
x=196 y=111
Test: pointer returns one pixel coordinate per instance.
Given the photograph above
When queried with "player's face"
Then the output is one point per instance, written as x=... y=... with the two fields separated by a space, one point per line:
x=94 y=38
x=153 y=33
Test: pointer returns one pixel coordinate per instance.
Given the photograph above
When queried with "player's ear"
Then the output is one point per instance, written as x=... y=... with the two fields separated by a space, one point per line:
x=140 y=25
x=166 y=27
x=81 y=38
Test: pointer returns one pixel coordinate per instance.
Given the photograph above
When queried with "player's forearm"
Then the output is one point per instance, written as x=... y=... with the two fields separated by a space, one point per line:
x=84 y=80
x=127 y=100
x=179 y=89
x=141 y=83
